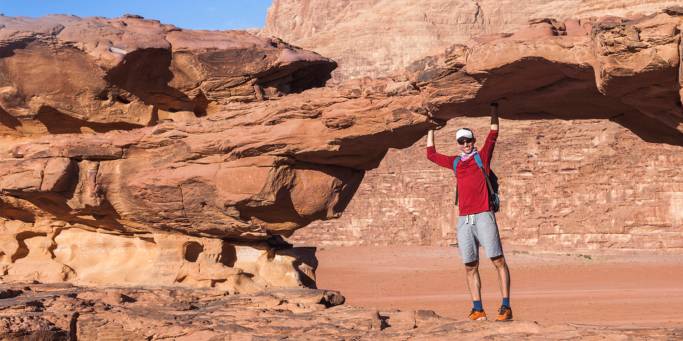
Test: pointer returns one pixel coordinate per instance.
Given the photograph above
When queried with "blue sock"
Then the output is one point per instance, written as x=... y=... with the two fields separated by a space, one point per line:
x=477 y=305
x=506 y=301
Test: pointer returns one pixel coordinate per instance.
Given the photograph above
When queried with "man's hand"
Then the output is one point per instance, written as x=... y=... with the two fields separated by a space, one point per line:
x=439 y=123
x=494 y=115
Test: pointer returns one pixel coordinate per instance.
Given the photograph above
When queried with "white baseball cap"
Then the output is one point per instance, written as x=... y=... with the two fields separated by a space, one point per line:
x=464 y=132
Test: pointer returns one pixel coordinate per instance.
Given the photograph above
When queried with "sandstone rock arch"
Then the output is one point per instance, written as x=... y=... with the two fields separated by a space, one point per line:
x=623 y=70
x=231 y=150
x=640 y=195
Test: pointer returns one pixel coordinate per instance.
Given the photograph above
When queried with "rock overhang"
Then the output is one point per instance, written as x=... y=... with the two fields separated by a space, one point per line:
x=198 y=148
x=344 y=129
x=605 y=72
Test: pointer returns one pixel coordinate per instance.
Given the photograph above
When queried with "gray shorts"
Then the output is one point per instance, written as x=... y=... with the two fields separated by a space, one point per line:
x=478 y=229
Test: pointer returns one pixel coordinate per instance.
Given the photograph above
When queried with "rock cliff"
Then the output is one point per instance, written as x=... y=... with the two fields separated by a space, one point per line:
x=576 y=185
x=136 y=153
x=377 y=37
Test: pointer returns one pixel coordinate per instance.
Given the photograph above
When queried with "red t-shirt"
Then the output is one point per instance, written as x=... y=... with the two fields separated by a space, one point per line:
x=472 y=191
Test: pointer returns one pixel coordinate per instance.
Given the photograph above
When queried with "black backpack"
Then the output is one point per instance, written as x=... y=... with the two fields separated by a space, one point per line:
x=491 y=182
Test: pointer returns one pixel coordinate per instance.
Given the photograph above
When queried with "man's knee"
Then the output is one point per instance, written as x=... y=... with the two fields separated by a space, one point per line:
x=472 y=266
x=498 y=261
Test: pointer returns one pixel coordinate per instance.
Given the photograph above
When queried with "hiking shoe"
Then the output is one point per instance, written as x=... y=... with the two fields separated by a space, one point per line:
x=477 y=315
x=504 y=314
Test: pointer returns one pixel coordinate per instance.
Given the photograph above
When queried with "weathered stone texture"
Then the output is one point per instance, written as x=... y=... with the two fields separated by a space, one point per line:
x=237 y=146
x=161 y=156
x=565 y=185
x=376 y=37
x=629 y=205
x=50 y=312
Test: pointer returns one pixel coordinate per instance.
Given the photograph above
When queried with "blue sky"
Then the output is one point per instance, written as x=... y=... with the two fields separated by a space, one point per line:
x=197 y=14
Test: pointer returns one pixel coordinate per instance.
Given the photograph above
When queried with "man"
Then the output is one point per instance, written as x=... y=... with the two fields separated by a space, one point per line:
x=476 y=221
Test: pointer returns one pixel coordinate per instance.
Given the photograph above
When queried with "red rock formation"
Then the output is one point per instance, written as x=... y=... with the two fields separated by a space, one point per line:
x=173 y=146
x=196 y=197
x=107 y=74
x=408 y=200
x=611 y=73
x=566 y=185
x=377 y=37
x=50 y=312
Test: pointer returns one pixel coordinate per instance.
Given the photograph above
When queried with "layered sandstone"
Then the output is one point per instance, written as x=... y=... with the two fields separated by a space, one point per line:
x=377 y=37
x=159 y=156
x=585 y=183
x=565 y=186
x=49 y=312
x=194 y=150
x=63 y=74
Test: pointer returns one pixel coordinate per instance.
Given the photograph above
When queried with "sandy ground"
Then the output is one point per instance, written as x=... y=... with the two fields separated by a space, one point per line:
x=575 y=288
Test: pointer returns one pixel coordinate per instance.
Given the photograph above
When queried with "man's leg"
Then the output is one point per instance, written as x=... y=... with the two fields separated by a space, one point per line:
x=487 y=233
x=473 y=280
x=505 y=312
x=474 y=284
x=469 y=251
x=503 y=276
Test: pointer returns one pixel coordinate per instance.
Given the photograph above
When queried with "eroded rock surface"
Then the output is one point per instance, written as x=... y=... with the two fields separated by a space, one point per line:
x=173 y=146
x=378 y=37
x=201 y=195
x=66 y=312
x=570 y=184
x=617 y=69
x=566 y=185
x=63 y=74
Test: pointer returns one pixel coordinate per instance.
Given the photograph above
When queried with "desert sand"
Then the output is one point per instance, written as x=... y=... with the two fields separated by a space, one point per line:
x=604 y=289
x=389 y=291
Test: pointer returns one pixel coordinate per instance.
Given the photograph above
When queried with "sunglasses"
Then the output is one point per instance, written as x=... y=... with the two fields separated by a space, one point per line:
x=464 y=140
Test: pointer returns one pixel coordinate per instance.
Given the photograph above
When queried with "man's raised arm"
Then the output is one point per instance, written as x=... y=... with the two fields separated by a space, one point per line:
x=430 y=138
x=494 y=116
x=440 y=159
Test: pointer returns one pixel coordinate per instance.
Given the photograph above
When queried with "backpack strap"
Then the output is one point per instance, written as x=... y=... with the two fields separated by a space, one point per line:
x=455 y=169
x=455 y=163
x=477 y=159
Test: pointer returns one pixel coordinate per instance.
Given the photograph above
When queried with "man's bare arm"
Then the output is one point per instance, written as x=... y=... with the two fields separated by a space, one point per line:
x=430 y=138
x=494 y=116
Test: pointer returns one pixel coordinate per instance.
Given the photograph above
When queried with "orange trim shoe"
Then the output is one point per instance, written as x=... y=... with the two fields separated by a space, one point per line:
x=477 y=315
x=504 y=314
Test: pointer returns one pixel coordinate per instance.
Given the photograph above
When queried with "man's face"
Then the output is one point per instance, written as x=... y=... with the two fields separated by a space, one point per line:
x=466 y=145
